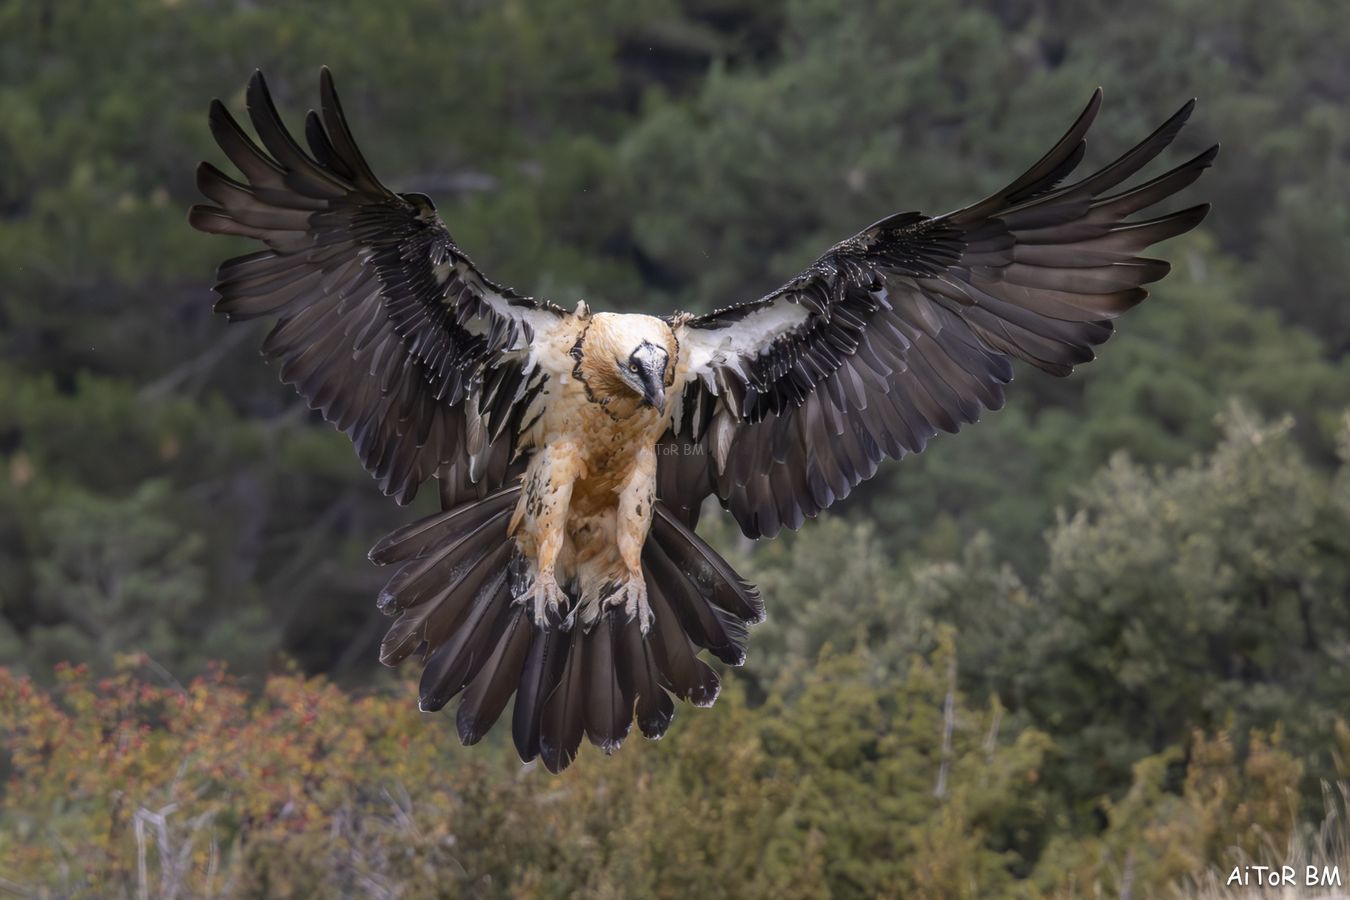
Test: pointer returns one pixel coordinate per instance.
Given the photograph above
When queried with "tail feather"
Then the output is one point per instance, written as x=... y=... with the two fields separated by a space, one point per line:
x=430 y=620
x=487 y=694
x=706 y=625
x=609 y=697
x=655 y=709
x=451 y=666
x=402 y=638
x=452 y=597
x=683 y=672
x=482 y=582
x=543 y=668
x=706 y=567
x=417 y=539
x=428 y=575
x=443 y=569
x=563 y=716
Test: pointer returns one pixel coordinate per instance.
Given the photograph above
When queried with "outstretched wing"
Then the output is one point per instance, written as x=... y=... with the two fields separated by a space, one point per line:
x=909 y=328
x=383 y=323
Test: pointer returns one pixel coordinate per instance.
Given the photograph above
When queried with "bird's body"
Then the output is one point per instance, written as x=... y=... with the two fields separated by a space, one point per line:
x=587 y=497
x=574 y=451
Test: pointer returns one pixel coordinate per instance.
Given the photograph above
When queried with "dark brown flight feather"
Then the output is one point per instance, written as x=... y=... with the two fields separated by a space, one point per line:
x=909 y=328
x=383 y=323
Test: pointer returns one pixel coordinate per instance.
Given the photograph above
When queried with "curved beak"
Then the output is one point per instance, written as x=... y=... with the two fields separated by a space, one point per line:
x=653 y=390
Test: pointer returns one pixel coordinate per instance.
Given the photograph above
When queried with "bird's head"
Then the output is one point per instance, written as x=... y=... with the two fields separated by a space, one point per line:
x=645 y=372
x=627 y=361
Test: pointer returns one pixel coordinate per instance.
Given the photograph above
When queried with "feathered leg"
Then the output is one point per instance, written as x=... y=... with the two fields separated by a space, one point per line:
x=539 y=528
x=634 y=520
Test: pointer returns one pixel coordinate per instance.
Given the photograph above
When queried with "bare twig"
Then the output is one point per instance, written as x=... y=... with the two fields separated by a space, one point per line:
x=195 y=367
x=948 y=724
x=991 y=739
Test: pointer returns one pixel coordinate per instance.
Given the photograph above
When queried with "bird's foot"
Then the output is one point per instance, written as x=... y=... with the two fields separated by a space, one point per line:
x=584 y=614
x=544 y=600
x=631 y=596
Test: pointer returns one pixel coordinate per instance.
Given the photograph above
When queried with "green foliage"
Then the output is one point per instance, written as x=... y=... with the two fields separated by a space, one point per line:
x=1205 y=597
x=1231 y=809
x=116 y=562
x=1176 y=601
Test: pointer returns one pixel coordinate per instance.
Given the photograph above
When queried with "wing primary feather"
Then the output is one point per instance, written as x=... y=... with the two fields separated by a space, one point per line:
x=910 y=327
x=363 y=280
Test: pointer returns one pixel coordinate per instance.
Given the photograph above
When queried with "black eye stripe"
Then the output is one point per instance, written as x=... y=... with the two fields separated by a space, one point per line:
x=648 y=355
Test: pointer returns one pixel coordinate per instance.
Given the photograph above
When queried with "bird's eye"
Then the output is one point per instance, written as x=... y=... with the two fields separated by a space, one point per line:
x=632 y=367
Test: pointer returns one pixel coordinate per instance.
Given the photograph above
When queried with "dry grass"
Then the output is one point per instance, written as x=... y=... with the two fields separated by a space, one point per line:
x=1327 y=848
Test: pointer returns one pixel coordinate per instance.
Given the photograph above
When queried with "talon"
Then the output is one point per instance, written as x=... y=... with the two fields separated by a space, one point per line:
x=545 y=600
x=586 y=612
x=632 y=597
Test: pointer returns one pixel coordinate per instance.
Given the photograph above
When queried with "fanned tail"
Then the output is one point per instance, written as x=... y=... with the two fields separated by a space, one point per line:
x=450 y=594
x=452 y=598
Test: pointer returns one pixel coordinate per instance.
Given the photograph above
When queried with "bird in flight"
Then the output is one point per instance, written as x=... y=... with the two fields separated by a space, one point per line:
x=573 y=450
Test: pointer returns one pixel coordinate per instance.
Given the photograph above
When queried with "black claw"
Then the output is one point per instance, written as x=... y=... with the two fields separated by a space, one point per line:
x=554 y=618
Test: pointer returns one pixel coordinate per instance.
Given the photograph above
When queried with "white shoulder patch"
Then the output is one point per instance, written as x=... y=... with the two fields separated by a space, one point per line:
x=710 y=348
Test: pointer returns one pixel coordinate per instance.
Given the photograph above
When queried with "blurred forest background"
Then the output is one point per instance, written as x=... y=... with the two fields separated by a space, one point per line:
x=1097 y=646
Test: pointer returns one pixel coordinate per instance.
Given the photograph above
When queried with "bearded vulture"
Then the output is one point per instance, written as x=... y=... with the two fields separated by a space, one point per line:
x=574 y=450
